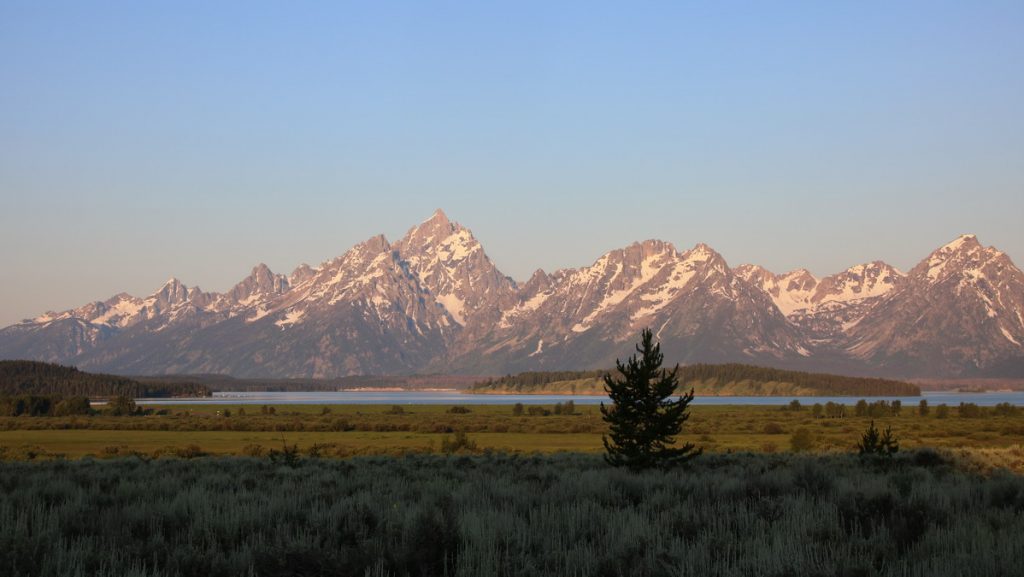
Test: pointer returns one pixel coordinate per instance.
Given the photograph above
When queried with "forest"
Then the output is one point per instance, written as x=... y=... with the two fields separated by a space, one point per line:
x=38 y=378
x=731 y=378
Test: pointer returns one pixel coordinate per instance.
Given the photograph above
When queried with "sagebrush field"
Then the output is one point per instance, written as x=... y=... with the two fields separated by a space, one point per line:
x=739 y=514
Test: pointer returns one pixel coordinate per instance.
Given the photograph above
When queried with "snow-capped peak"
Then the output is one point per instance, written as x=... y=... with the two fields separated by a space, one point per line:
x=968 y=240
x=450 y=263
x=962 y=253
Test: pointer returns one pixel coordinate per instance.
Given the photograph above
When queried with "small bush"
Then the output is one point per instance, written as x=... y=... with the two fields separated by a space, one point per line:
x=288 y=455
x=802 y=441
x=773 y=429
x=190 y=451
x=970 y=411
x=253 y=450
x=459 y=410
x=566 y=408
x=1002 y=410
x=461 y=442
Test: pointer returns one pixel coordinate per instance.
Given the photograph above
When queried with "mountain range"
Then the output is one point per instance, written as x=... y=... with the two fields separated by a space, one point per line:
x=434 y=302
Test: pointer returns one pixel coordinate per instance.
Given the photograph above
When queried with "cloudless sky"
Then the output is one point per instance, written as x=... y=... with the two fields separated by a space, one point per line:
x=141 y=140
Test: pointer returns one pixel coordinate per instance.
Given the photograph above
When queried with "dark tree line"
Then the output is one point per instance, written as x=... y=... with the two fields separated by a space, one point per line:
x=533 y=379
x=38 y=378
x=819 y=383
x=43 y=406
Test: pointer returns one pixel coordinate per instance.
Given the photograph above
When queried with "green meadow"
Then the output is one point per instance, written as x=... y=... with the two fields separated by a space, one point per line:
x=349 y=430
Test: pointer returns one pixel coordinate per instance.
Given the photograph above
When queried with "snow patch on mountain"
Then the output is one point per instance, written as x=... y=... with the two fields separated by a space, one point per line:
x=455 y=307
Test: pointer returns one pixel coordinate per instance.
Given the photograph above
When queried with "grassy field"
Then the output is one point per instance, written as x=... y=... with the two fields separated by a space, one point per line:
x=506 y=515
x=347 y=430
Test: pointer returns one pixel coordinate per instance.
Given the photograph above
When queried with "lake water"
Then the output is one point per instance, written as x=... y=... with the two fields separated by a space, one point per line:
x=457 y=398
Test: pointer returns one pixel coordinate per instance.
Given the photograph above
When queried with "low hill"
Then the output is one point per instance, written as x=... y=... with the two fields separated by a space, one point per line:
x=38 y=378
x=708 y=380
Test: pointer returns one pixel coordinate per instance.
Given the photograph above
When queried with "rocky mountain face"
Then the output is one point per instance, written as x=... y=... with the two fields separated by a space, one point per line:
x=959 y=311
x=434 y=302
x=823 y=309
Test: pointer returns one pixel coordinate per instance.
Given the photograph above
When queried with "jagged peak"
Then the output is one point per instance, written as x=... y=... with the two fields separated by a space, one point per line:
x=875 y=265
x=376 y=244
x=963 y=241
x=538 y=274
x=121 y=296
x=301 y=272
x=438 y=218
x=431 y=233
x=798 y=273
x=702 y=252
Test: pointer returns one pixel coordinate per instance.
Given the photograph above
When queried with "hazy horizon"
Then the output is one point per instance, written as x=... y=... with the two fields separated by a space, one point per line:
x=195 y=140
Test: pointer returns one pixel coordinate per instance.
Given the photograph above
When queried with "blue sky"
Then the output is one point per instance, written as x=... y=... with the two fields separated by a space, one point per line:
x=144 y=140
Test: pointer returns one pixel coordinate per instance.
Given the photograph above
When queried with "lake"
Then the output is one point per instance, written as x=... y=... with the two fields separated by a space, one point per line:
x=457 y=398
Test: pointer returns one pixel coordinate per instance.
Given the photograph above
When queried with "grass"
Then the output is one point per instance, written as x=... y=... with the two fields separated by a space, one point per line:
x=347 y=430
x=503 y=515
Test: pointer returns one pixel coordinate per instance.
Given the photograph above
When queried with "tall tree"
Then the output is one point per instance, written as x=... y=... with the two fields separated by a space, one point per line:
x=643 y=420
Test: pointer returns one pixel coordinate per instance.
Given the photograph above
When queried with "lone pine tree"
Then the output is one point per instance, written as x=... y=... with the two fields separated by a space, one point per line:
x=642 y=420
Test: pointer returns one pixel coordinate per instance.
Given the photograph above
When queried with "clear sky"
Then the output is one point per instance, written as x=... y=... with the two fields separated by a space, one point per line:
x=141 y=140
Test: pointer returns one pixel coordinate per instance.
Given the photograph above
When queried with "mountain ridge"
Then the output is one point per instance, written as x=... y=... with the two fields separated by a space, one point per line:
x=434 y=301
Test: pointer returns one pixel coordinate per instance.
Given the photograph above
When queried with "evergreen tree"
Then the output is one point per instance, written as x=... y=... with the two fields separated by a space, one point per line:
x=873 y=443
x=642 y=420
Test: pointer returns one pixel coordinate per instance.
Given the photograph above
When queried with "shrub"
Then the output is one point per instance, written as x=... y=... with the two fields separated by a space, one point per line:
x=795 y=405
x=458 y=410
x=288 y=455
x=517 y=409
x=773 y=429
x=461 y=442
x=122 y=406
x=942 y=411
x=252 y=450
x=970 y=411
x=395 y=410
x=922 y=408
x=861 y=408
x=835 y=410
x=537 y=411
x=73 y=406
x=1005 y=410
x=802 y=441
x=190 y=451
